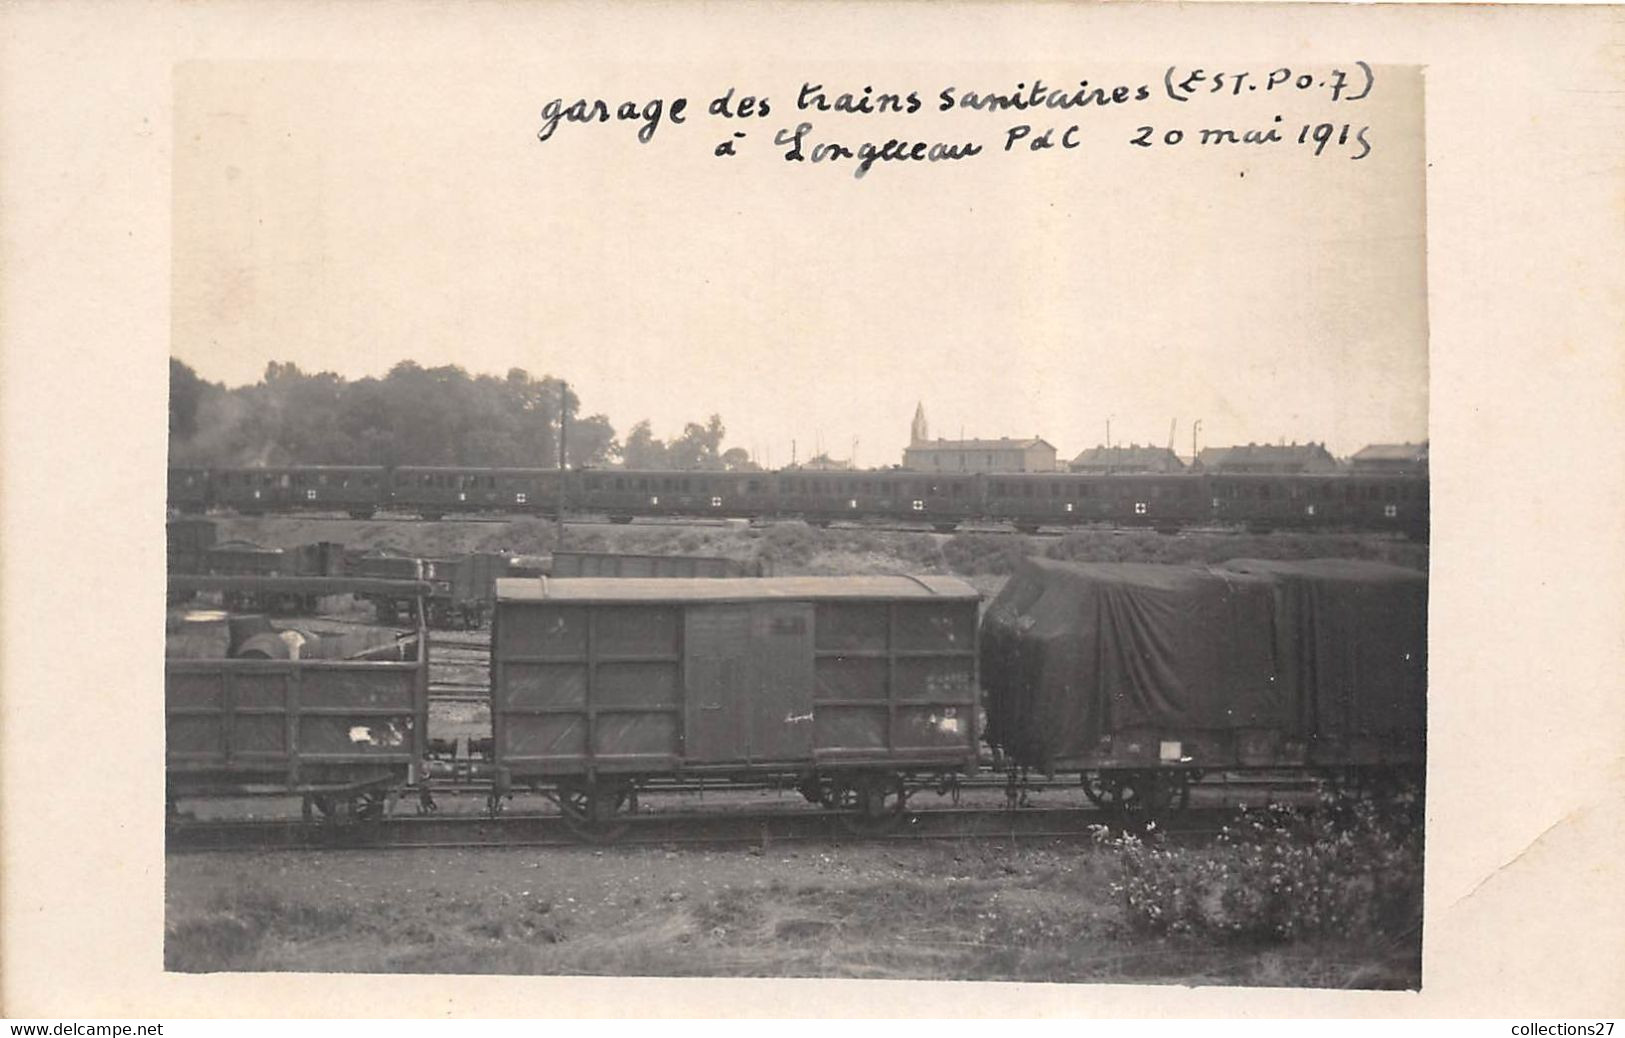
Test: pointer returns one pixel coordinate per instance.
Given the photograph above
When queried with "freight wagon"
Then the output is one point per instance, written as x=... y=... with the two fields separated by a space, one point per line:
x=855 y=690
x=460 y=586
x=194 y=551
x=345 y=735
x=1142 y=677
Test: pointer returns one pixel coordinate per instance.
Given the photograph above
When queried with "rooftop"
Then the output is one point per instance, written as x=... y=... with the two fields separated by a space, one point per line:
x=1002 y=443
x=1392 y=452
x=726 y=589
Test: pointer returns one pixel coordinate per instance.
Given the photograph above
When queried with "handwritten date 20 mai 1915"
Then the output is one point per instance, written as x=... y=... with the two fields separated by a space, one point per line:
x=802 y=143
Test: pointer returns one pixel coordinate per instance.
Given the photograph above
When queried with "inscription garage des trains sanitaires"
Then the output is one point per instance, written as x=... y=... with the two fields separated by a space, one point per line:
x=1183 y=108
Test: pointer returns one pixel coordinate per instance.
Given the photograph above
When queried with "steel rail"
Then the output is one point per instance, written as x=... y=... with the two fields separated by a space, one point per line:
x=691 y=828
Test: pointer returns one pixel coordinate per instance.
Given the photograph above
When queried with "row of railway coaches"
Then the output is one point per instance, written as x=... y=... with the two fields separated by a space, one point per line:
x=1367 y=501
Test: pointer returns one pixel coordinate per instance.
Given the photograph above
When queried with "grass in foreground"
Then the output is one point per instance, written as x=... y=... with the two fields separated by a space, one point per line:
x=1117 y=911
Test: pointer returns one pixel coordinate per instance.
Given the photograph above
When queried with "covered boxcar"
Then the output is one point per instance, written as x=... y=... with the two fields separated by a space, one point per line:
x=853 y=689
x=345 y=734
x=1141 y=677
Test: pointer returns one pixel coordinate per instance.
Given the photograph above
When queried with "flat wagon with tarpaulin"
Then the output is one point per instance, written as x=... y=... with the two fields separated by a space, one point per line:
x=1351 y=645
x=347 y=735
x=854 y=690
x=1141 y=677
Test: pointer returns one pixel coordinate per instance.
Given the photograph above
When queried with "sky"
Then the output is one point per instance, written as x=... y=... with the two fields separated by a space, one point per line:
x=346 y=217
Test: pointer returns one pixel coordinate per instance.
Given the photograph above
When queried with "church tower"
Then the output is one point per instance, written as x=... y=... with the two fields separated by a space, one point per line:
x=919 y=433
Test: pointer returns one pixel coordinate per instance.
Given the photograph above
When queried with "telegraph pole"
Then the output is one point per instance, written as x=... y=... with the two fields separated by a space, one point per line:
x=564 y=441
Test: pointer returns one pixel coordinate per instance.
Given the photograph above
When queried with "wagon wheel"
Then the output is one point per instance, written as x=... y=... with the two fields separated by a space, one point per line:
x=327 y=809
x=1142 y=794
x=372 y=806
x=833 y=794
x=596 y=813
x=876 y=804
x=815 y=791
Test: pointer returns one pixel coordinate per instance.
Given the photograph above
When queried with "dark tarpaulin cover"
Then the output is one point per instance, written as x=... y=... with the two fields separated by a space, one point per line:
x=1351 y=639
x=1071 y=652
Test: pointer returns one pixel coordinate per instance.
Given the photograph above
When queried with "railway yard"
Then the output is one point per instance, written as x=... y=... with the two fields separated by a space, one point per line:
x=981 y=878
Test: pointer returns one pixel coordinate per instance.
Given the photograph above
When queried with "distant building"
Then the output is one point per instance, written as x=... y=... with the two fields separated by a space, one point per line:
x=1002 y=455
x=1267 y=459
x=919 y=432
x=1105 y=461
x=824 y=463
x=1407 y=458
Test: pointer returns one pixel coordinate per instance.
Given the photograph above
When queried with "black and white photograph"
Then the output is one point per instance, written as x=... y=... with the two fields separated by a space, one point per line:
x=1007 y=562
x=948 y=503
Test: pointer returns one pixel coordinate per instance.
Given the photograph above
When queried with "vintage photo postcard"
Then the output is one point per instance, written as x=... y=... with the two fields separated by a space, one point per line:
x=1042 y=509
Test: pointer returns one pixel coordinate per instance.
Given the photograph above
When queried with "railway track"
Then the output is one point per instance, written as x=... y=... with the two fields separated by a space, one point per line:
x=680 y=828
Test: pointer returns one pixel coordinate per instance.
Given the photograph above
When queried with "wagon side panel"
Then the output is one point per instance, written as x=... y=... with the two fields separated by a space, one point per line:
x=267 y=726
x=895 y=682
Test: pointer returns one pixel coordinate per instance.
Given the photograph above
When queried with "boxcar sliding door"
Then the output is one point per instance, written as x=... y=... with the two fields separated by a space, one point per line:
x=749 y=683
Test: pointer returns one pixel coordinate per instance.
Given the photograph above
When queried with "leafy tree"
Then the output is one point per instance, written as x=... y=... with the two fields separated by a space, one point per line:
x=186 y=392
x=642 y=451
x=412 y=416
x=700 y=446
x=592 y=442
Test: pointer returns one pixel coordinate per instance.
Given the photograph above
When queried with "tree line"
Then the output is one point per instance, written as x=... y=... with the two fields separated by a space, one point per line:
x=415 y=416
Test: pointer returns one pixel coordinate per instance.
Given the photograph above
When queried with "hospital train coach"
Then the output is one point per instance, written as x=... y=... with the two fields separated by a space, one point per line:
x=1362 y=501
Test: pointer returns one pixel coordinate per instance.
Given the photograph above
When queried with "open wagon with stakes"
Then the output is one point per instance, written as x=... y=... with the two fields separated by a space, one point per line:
x=855 y=690
x=266 y=718
x=1140 y=678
